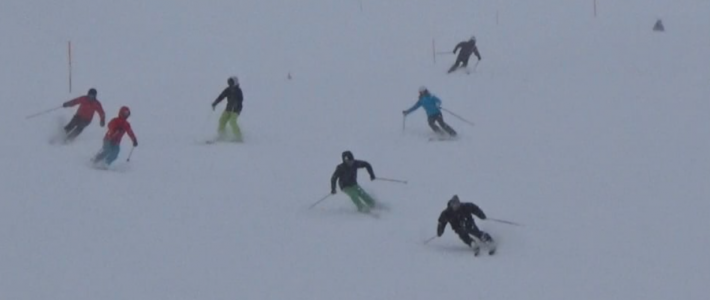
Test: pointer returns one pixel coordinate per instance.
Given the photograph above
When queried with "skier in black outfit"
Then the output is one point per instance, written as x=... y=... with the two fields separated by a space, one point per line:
x=235 y=97
x=460 y=216
x=346 y=174
x=467 y=48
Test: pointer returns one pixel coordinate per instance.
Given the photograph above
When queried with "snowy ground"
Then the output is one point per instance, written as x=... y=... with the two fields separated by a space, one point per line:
x=592 y=132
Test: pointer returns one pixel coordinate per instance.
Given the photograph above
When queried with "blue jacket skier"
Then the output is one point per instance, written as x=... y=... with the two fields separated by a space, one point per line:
x=432 y=106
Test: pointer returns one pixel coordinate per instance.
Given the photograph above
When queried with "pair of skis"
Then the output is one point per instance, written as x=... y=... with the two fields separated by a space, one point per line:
x=442 y=138
x=490 y=247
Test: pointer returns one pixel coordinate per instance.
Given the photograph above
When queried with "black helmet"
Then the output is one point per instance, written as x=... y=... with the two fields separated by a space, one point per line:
x=92 y=92
x=348 y=156
x=454 y=203
x=232 y=81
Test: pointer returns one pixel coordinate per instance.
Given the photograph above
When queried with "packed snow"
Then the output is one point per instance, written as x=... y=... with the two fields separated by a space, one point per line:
x=590 y=131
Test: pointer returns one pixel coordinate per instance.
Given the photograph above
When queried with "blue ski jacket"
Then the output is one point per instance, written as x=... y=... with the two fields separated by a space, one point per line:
x=431 y=105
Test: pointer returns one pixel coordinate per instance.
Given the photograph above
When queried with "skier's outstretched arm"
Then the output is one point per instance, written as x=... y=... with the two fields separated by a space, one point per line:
x=475 y=210
x=220 y=98
x=442 y=225
x=366 y=165
x=459 y=46
x=413 y=108
x=475 y=51
x=130 y=133
x=437 y=101
x=334 y=179
x=72 y=102
x=102 y=114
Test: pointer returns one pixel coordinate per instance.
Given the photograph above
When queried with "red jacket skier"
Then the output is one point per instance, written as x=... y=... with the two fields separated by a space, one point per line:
x=112 y=141
x=88 y=105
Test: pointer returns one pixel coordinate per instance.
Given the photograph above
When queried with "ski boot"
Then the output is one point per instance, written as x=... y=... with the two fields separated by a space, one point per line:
x=489 y=242
x=476 y=249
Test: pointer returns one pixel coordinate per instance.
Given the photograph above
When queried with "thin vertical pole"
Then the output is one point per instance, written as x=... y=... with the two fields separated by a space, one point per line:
x=70 y=61
x=433 y=50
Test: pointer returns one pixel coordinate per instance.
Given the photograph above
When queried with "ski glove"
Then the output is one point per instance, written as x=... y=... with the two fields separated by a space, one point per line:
x=372 y=177
x=135 y=143
x=102 y=123
x=332 y=192
x=66 y=104
x=213 y=106
x=404 y=112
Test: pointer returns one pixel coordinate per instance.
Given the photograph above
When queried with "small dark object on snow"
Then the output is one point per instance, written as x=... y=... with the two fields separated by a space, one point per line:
x=659 y=26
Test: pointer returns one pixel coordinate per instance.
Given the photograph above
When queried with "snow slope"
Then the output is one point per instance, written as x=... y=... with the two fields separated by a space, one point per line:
x=592 y=132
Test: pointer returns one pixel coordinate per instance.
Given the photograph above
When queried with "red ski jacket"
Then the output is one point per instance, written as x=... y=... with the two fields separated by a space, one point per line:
x=87 y=108
x=116 y=128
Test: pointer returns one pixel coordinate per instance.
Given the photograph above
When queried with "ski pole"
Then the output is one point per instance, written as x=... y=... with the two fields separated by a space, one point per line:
x=504 y=222
x=404 y=123
x=458 y=117
x=129 y=155
x=42 y=113
x=319 y=201
x=391 y=180
x=430 y=239
x=475 y=66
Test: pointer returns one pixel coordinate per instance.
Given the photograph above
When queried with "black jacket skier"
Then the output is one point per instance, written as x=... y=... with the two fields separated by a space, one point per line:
x=467 y=48
x=460 y=216
x=346 y=172
x=234 y=96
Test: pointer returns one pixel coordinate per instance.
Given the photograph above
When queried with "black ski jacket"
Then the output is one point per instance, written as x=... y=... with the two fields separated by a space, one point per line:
x=461 y=218
x=234 y=99
x=347 y=174
x=467 y=48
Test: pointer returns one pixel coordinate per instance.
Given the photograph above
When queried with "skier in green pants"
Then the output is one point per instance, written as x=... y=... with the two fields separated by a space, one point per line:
x=346 y=174
x=235 y=97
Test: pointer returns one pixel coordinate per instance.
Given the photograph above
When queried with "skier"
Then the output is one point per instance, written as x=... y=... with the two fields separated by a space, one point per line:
x=88 y=105
x=467 y=48
x=235 y=97
x=432 y=106
x=346 y=174
x=112 y=141
x=460 y=216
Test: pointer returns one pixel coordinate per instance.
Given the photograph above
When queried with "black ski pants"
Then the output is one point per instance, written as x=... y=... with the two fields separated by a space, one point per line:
x=75 y=127
x=439 y=118
x=461 y=61
x=470 y=229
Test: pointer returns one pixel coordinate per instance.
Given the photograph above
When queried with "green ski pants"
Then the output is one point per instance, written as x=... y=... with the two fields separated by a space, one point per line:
x=356 y=193
x=231 y=118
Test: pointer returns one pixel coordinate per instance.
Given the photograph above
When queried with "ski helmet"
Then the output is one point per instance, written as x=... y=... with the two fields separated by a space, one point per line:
x=92 y=93
x=348 y=156
x=422 y=89
x=473 y=38
x=233 y=81
x=124 y=112
x=454 y=203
